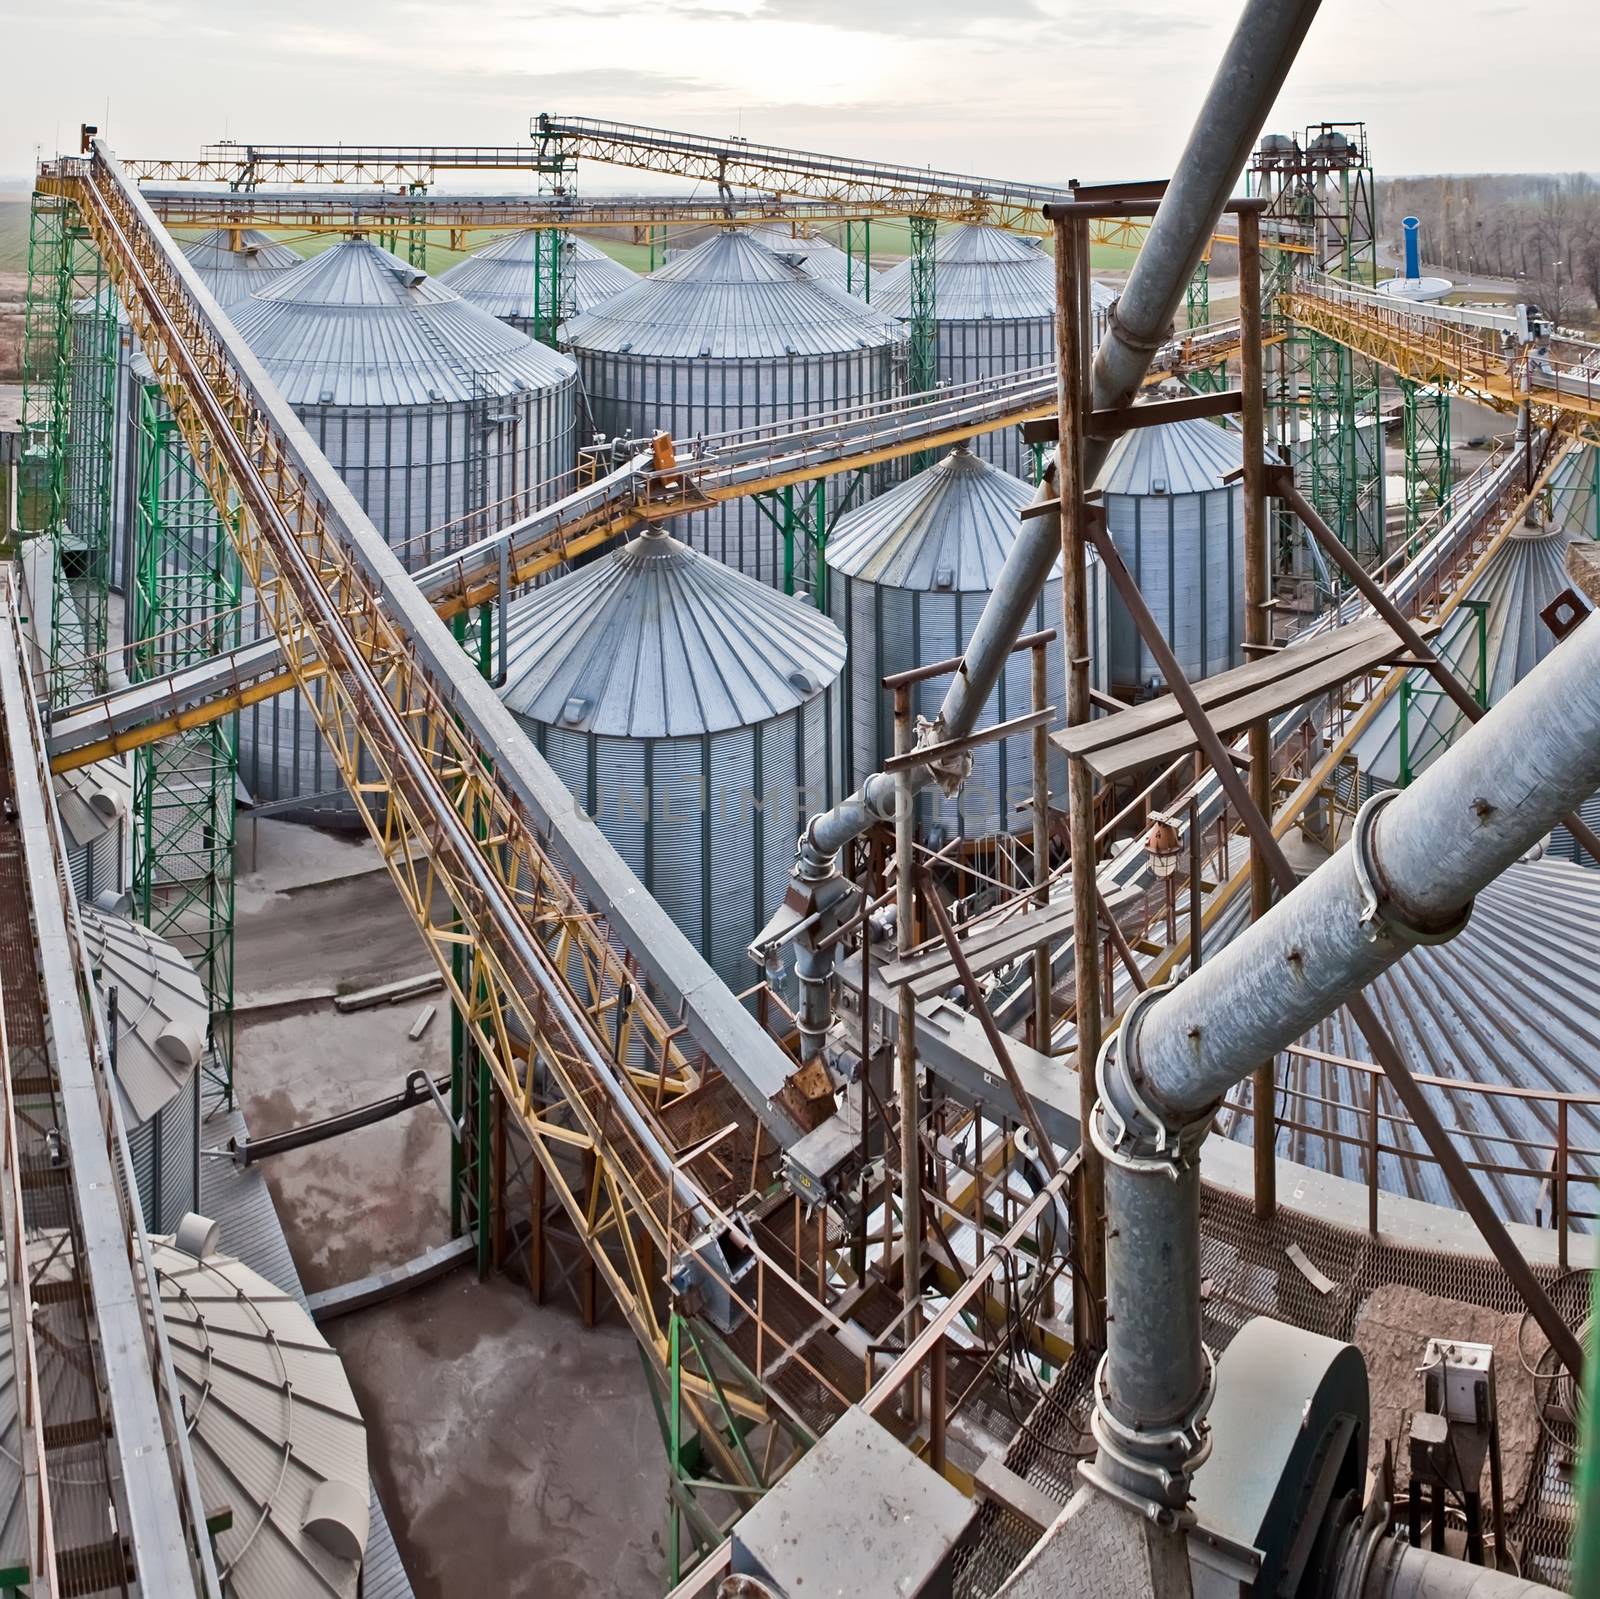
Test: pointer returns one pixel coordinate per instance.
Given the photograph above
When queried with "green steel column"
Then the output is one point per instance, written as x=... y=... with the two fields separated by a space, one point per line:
x=1425 y=414
x=923 y=307
x=858 y=258
x=548 y=288
x=1197 y=298
x=417 y=239
x=183 y=607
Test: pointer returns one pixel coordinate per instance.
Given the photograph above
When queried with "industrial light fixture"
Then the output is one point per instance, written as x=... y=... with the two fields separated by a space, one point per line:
x=1162 y=846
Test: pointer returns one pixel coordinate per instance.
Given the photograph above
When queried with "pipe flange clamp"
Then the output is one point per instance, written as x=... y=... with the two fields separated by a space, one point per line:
x=1378 y=916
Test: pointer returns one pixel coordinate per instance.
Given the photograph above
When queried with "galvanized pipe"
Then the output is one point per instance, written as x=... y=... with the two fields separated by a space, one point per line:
x=1400 y=1572
x=1253 y=68
x=1416 y=859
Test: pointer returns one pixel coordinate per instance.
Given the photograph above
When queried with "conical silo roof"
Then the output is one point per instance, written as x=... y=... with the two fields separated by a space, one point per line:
x=359 y=326
x=499 y=278
x=162 y=1011
x=659 y=641
x=1525 y=574
x=236 y=262
x=273 y=1425
x=1177 y=458
x=1513 y=1000
x=979 y=273
x=949 y=528
x=818 y=258
x=730 y=298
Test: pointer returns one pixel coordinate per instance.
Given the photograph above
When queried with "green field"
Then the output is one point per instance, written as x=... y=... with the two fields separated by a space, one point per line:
x=13 y=234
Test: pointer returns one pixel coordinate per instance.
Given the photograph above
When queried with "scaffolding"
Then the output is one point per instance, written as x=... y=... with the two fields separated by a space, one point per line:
x=69 y=417
x=184 y=608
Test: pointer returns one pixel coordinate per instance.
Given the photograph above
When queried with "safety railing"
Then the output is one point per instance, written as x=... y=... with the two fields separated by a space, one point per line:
x=1360 y=1130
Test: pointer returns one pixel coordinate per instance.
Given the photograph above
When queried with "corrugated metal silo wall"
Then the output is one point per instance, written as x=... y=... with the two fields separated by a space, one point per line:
x=892 y=630
x=1186 y=553
x=967 y=351
x=432 y=479
x=641 y=395
x=708 y=824
x=85 y=509
x=166 y=1160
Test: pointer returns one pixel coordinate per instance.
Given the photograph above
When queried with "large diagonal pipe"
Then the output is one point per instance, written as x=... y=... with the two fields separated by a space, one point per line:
x=1416 y=858
x=1257 y=60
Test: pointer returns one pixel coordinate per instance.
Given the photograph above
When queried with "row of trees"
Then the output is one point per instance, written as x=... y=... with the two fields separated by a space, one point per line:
x=1539 y=230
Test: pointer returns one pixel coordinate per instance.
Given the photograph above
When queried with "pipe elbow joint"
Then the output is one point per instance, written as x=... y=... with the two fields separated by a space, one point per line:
x=1130 y=1127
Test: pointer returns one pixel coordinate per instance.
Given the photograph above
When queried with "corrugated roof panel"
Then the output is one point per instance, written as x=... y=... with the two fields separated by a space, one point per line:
x=499 y=278
x=358 y=326
x=660 y=641
x=816 y=257
x=1177 y=458
x=231 y=272
x=730 y=298
x=948 y=528
x=162 y=1011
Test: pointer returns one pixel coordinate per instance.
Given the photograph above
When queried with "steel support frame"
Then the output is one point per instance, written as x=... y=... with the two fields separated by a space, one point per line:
x=922 y=373
x=183 y=597
x=858 y=258
x=68 y=490
x=1425 y=426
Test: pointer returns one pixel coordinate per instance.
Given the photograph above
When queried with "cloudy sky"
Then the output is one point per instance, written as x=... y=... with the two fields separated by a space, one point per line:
x=1044 y=89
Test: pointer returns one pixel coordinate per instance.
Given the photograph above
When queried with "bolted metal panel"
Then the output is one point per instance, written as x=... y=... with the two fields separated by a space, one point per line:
x=694 y=714
x=1181 y=533
x=234 y=263
x=994 y=312
x=445 y=424
x=499 y=278
x=728 y=336
x=910 y=573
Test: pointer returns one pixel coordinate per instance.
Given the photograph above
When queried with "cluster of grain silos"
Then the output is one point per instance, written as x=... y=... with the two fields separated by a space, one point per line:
x=500 y=278
x=696 y=715
x=994 y=307
x=444 y=422
x=908 y=576
x=724 y=337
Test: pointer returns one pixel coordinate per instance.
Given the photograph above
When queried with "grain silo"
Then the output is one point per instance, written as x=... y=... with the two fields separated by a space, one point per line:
x=445 y=423
x=159 y=1017
x=908 y=576
x=817 y=257
x=275 y=1431
x=994 y=308
x=1180 y=531
x=235 y=262
x=728 y=336
x=499 y=278
x=695 y=715
x=95 y=804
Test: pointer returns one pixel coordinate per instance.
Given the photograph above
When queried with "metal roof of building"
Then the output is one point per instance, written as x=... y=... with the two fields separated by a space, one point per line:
x=1514 y=999
x=981 y=273
x=948 y=529
x=1176 y=458
x=1526 y=573
x=499 y=278
x=816 y=257
x=233 y=273
x=358 y=326
x=660 y=641
x=162 y=1011
x=91 y=800
x=275 y=1430
x=730 y=298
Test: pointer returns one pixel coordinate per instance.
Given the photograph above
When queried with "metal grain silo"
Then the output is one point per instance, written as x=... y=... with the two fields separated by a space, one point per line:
x=817 y=257
x=908 y=576
x=445 y=423
x=994 y=311
x=234 y=262
x=499 y=278
x=728 y=336
x=1180 y=532
x=695 y=714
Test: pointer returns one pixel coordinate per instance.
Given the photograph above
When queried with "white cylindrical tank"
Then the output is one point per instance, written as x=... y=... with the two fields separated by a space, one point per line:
x=724 y=337
x=994 y=309
x=1180 y=531
x=234 y=262
x=445 y=423
x=695 y=715
x=908 y=576
x=499 y=278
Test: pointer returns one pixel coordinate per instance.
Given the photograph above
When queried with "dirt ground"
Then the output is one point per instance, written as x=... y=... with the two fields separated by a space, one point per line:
x=516 y=1453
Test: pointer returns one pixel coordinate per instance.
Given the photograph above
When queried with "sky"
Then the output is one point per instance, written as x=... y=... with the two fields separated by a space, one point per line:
x=1031 y=89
